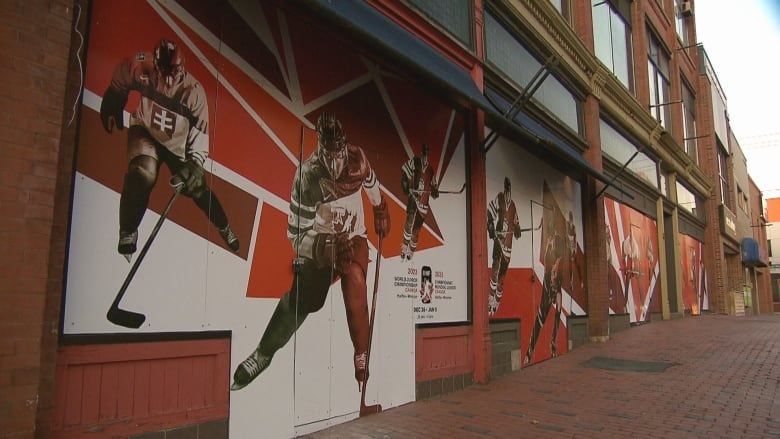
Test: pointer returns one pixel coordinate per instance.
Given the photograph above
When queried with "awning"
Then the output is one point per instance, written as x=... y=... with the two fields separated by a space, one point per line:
x=752 y=253
x=374 y=28
x=554 y=144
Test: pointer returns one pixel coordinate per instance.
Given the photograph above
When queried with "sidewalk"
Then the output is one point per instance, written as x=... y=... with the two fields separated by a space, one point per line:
x=708 y=376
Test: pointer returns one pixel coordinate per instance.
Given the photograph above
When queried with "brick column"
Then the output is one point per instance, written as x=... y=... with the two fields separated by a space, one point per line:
x=597 y=284
x=480 y=275
x=35 y=182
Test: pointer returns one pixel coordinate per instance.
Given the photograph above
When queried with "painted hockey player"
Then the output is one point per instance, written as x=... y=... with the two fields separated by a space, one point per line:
x=327 y=229
x=503 y=227
x=170 y=125
x=551 y=290
x=418 y=181
x=630 y=263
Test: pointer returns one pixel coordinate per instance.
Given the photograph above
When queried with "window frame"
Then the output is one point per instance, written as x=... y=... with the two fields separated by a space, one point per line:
x=659 y=80
x=690 y=142
x=615 y=12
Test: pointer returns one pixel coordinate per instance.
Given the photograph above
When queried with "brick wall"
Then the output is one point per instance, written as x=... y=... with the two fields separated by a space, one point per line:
x=35 y=177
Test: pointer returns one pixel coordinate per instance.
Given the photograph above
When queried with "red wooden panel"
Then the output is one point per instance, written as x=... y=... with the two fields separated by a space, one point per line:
x=108 y=392
x=73 y=387
x=198 y=393
x=116 y=388
x=125 y=390
x=186 y=384
x=221 y=377
x=156 y=382
x=142 y=388
x=443 y=352
x=171 y=385
x=90 y=397
x=208 y=384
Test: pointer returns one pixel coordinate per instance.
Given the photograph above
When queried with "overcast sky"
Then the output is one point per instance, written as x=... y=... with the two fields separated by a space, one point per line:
x=742 y=41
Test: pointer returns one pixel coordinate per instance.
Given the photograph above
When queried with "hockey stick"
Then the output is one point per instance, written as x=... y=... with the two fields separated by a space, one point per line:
x=459 y=191
x=375 y=408
x=131 y=319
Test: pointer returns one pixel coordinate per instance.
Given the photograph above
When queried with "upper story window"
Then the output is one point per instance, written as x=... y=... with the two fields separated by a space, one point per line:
x=742 y=199
x=564 y=7
x=620 y=150
x=689 y=123
x=682 y=10
x=453 y=15
x=612 y=37
x=723 y=175
x=687 y=200
x=509 y=55
x=658 y=75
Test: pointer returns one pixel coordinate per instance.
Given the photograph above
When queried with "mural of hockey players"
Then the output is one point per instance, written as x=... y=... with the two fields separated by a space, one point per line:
x=629 y=262
x=571 y=248
x=169 y=125
x=418 y=181
x=554 y=250
x=503 y=227
x=694 y=290
x=327 y=228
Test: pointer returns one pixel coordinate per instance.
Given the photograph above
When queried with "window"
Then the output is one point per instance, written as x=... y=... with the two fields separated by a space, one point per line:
x=620 y=150
x=453 y=15
x=742 y=199
x=723 y=174
x=689 y=123
x=687 y=200
x=658 y=75
x=507 y=54
x=612 y=37
x=681 y=20
x=564 y=7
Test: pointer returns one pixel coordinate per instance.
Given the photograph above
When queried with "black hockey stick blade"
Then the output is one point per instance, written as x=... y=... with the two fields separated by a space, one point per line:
x=459 y=191
x=122 y=317
x=130 y=319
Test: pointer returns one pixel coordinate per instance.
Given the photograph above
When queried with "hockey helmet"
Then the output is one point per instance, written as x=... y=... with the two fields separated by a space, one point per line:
x=424 y=155
x=169 y=62
x=332 y=143
x=507 y=189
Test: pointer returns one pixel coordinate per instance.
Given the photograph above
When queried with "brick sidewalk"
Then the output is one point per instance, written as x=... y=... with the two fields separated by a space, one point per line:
x=721 y=380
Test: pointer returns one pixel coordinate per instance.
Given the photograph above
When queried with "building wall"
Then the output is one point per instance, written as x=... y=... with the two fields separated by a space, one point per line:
x=762 y=277
x=37 y=100
x=38 y=135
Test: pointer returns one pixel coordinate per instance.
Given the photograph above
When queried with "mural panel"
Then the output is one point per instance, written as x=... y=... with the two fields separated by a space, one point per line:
x=694 y=276
x=241 y=170
x=535 y=242
x=632 y=256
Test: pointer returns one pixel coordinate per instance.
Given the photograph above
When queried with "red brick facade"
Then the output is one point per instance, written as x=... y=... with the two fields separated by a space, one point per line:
x=37 y=147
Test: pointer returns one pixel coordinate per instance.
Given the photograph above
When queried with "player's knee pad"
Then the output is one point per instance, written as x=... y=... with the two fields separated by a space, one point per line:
x=142 y=172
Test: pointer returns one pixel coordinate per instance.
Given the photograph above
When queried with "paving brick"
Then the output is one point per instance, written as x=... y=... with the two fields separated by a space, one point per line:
x=724 y=385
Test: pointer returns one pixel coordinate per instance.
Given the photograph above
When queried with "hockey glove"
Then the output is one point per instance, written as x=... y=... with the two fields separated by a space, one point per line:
x=333 y=250
x=193 y=176
x=381 y=219
x=491 y=229
x=516 y=232
x=112 y=109
x=435 y=192
x=404 y=185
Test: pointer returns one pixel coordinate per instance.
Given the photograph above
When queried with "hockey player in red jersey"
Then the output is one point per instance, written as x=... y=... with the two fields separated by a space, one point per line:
x=169 y=125
x=551 y=289
x=503 y=225
x=327 y=229
x=418 y=182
